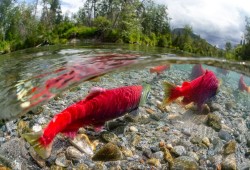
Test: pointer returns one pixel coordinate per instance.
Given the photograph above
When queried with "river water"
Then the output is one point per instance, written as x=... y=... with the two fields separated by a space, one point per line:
x=38 y=83
x=34 y=76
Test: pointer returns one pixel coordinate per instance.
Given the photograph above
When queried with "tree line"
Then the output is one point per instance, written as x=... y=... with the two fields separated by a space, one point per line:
x=143 y=22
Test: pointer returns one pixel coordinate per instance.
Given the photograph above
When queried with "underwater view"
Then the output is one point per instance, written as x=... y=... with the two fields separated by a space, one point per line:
x=112 y=106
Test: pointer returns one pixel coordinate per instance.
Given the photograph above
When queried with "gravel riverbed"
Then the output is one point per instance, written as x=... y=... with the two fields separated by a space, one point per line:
x=173 y=137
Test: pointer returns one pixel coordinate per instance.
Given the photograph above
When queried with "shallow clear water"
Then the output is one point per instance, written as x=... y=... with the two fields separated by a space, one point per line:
x=41 y=82
x=31 y=77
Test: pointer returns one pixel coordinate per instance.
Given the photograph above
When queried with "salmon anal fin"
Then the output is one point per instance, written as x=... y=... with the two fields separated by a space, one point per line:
x=72 y=129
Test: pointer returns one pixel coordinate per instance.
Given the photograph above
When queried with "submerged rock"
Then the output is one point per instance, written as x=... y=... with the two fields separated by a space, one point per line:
x=37 y=110
x=4 y=168
x=126 y=152
x=5 y=163
x=224 y=135
x=22 y=127
x=229 y=147
x=111 y=125
x=15 y=149
x=206 y=141
x=248 y=139
x=185 y=163
x=229 y=105
x=134 y=139
x=73 y=154
x=109 y=152
x=214 y=121
x=155 y=162
x=167 y=155
x=229 y=163
x=179 y=150
x=133 y=129
x=37 y=158
x=83 y=143
x=62 y=161
x=215 y=107
x=56 y=167
x=109 y=137
x=205 y=109
x=196 y=140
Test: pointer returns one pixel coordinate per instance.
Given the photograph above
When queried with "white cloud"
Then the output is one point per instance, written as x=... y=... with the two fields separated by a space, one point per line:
x=71 y=6
x=67 y=6
x=216 y=20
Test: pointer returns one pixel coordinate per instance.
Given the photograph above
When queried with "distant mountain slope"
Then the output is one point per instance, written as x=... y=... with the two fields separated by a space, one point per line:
x=181 y=31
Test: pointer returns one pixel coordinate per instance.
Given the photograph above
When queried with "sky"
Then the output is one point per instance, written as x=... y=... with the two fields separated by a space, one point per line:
x=217 y=21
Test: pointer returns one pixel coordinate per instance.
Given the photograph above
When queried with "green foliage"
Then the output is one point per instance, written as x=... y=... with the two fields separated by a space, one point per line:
x=63 y=27
x=80 y=32
x=243 y=52
x=155 y=18
x=102 y=23
x=153 y=39
x=164 y=41
x=4 y=47
x=130 y=21
x=111 y=36
x=228 y=46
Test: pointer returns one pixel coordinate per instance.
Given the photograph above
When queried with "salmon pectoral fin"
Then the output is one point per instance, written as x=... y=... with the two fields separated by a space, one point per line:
x=70 y=134
x=98 y=127
x=169 y=93
x=186 y=101
x=33 y=138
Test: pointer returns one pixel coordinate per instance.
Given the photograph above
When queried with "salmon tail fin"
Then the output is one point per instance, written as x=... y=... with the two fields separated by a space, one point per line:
x=145 y=94
x=220 y=82
x=33 y=139
x=169 y=93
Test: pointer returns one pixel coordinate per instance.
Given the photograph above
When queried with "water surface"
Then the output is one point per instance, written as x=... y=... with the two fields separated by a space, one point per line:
x=32 y=77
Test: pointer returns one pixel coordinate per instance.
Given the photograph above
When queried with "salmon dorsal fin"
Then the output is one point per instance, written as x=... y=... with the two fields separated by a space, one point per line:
x=95 y=91
x=184 y=84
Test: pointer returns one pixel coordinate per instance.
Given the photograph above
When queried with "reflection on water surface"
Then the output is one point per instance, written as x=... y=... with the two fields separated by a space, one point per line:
x=31 y=77
x=45 y=81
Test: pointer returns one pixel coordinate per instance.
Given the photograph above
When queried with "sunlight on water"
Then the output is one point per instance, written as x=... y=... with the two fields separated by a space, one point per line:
x=29 y=78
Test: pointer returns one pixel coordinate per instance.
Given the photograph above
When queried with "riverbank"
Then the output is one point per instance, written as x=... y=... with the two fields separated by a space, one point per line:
x=174 y=137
